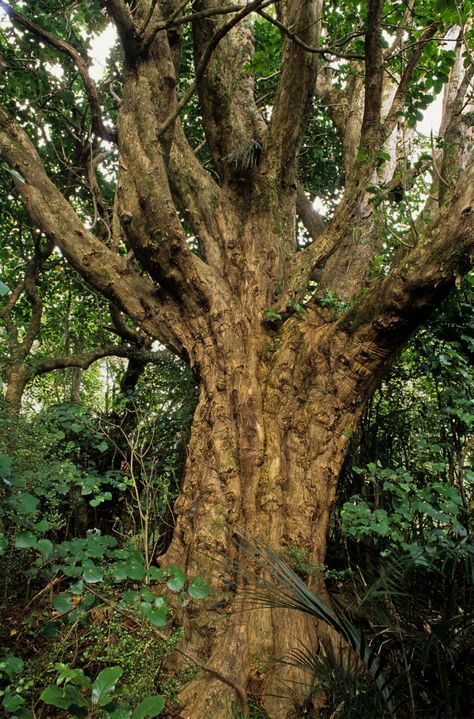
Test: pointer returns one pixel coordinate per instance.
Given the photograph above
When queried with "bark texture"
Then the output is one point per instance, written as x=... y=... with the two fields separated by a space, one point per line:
x=219 y=278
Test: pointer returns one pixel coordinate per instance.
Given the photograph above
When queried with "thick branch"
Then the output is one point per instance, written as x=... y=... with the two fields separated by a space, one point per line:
x=91 y=90
x=373 y=76
x=197 y=196
x=231 y=119
x=122 y=16
x=398 y=303
x=121 y=329
x=110 y=273
x=295 y=91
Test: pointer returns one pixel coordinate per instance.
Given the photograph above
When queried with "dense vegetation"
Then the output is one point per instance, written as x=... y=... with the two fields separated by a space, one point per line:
x=86 y=508
x=193 y=358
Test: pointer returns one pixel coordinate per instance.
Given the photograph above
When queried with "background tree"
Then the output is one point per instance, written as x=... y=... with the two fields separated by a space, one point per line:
x=288 y=341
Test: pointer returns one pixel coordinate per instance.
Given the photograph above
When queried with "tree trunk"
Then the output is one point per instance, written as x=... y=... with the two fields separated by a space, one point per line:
x=17 y=377
x=269 y=438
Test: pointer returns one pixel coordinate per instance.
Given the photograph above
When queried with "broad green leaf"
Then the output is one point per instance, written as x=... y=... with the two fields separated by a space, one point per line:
x=177 y=580
x=147 y=595
x=105 y=684
x=63 y=602
x=198 y=588
x=12 y=702
x=5 y=460
x=26 y=540
x=45 y=546
x=77 y=587
x=130 y=596
x=42 y=526
x=69 y=675
x=3 y=543
x=63 y=697
x=23 y=713
x=155 y=573
x=156 y=615
x=50 y=629
x=24 y=503
x=150 y=707
x=103 y=497
x=11 y=665
x=92 y=574
x=123 y=712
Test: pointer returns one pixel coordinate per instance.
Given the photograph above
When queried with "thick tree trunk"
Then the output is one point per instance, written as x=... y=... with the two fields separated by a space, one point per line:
x=269 y=439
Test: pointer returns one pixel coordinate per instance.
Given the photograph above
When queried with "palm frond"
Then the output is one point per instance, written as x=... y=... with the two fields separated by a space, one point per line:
x=274 y=585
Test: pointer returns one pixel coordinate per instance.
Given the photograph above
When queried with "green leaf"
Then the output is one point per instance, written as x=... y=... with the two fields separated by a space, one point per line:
x=23 y=713
x=92 y=574
x=150 y=707
x=13 y=172
x=122 y=712
x=156 y=573
x=63 y=697
x=5 y=460
x=26 y=540
x=198 y=588
x=45 y=546
x=63 y=602
x=105 y=684
x=178 y=579
x=77 y=587
x=272 y=315
x=42 y=526
x=12 y=702
x=24 y=503
x=50 y=629
x=156 y=615
x=4 y=289
x=11 y=665
x=103 y=497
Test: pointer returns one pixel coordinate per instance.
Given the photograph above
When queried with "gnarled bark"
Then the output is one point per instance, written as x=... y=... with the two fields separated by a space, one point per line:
x=281 y=389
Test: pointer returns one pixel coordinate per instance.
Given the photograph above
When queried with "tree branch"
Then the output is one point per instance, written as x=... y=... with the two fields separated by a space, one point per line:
x=123 y=19
x=400 y=95
x=91 y=91
x=314 y=50
x=313 y=221
x=398 y=303
x=295 y=91
x=120 y=328
x=86 y=359
x=373 y=76
x=109 y=272
x=186 y=175
x=224 y=124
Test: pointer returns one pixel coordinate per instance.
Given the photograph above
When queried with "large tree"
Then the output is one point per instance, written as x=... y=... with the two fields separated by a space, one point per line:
x=288 y=336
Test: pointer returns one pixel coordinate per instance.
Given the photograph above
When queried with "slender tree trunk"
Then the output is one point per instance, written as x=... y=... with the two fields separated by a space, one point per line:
x=17 y=377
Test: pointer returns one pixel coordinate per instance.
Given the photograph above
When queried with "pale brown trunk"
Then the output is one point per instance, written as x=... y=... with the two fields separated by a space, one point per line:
x=17 y=378
x=269 y=439
x=16 y=383
x=76 y=378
